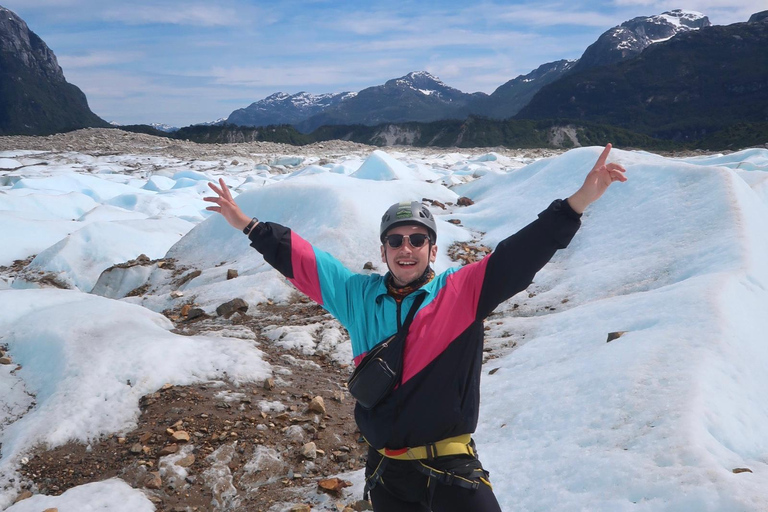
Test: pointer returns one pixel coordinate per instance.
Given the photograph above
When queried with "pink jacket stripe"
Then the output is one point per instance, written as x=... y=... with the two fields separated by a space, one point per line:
x=441 y=321
x=304 y=264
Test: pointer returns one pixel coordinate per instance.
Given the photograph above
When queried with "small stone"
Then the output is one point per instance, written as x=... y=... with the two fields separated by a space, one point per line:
x=333 y=485
x=51 y=510
x=741 y=470
x=146 y=436
x=230 y=308
x=300 y=508
x=120 y=440
x=341 y=456
x=136 y=448
x=231 y=273
x=153 y=481
x=195 y=313
x=176 y=294
x=317 y=405
x=361 y=505
x=368 y=265
x=181 y=436
x=185 y=309
x=309 y=451
x=168 y=449
x=454 y=221
x=5 y=360
x=465 y=201
x=187 y=461
x=615 y=335
x=25 y=494
x=269 y=384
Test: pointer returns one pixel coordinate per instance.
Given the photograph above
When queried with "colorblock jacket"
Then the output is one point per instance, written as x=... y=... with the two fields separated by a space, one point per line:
x=439 y=396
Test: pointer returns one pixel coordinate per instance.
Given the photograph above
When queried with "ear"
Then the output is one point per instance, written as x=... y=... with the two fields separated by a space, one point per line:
x=383 y=254
x=433 y=254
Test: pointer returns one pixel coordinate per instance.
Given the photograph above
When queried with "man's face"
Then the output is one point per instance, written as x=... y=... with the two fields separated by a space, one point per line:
x=407 y=263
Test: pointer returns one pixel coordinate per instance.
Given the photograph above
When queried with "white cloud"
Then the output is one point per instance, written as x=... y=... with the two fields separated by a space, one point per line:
x=97 y=59
x=720 y=12
x=203 y=15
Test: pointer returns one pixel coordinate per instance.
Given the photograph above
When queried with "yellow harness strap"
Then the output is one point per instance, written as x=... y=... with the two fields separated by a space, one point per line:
x=459 y=445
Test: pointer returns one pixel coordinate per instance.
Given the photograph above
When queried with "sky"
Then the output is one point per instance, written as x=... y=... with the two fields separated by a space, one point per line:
x=653 y=421
x=182 y=62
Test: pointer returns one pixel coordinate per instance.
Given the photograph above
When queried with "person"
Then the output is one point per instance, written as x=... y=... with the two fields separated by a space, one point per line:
x=421 y=455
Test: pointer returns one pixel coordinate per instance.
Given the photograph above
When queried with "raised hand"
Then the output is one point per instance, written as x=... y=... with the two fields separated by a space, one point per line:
x=226 y=206
x=597 y=182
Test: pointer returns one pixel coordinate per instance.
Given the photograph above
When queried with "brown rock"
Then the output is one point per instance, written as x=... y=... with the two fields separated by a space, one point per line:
x=615 y=335
x=333 y=485
x=168 y=449
x=300 y=508
x=153 y=481
x=368 y=265
x=438 y=204
x=146 y=436
x=317 y=405
x=231 y=273
x=136 y=448
x=51 y=510
x=185 y=309
x=309 y=451
x=230 y=308
x=180 y=436
x=465 y=201
x=186 y=461
x=26 y=493
x=741 y=470
x=454 y=221
x=5 y=360
x=361 y=505
x=269 y=384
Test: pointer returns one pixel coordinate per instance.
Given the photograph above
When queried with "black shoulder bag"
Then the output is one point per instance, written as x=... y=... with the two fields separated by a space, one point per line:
x=381 y=369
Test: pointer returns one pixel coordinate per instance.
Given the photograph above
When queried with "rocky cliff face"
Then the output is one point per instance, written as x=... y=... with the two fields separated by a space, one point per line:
x=35 y=98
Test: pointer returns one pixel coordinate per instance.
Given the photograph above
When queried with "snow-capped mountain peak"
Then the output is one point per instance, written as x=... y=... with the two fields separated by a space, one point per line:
x=423 y=82
x=633 y=36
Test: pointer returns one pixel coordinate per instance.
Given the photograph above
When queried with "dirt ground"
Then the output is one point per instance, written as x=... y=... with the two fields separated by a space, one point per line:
x=225 y=420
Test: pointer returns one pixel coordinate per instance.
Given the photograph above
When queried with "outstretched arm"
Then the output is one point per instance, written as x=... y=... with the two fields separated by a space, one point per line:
x=227 y=206
x=598 y=180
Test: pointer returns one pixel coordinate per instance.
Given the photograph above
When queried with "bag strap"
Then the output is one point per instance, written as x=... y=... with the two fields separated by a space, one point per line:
x=412 y=312
x=403 y=333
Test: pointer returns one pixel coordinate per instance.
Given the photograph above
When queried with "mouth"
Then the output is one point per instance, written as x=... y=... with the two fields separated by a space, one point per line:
x=406 y=263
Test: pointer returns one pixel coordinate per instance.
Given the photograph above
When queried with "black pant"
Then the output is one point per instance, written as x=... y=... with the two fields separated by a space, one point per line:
x=405 y=488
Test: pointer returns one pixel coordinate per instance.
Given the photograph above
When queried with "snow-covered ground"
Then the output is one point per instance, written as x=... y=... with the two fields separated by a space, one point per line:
x=657 y=419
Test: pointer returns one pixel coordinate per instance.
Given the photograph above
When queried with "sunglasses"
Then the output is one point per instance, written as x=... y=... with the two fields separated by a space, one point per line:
x=416 y=240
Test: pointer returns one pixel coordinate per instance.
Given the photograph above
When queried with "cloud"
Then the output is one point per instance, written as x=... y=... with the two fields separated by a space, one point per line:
x=720 y=12
x=201 y=15
x=97 y=59
x=551 y=15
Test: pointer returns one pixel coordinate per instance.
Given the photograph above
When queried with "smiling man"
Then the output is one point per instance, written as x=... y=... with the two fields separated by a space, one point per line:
x=417 y=338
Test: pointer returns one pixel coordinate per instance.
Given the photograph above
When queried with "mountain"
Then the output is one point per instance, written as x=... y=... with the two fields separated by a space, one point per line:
x=164 y=127
x=35 y=98
x=687 y=87
x=282 y=108
x=632 y=37
x=509 y=98
x=417 y=96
